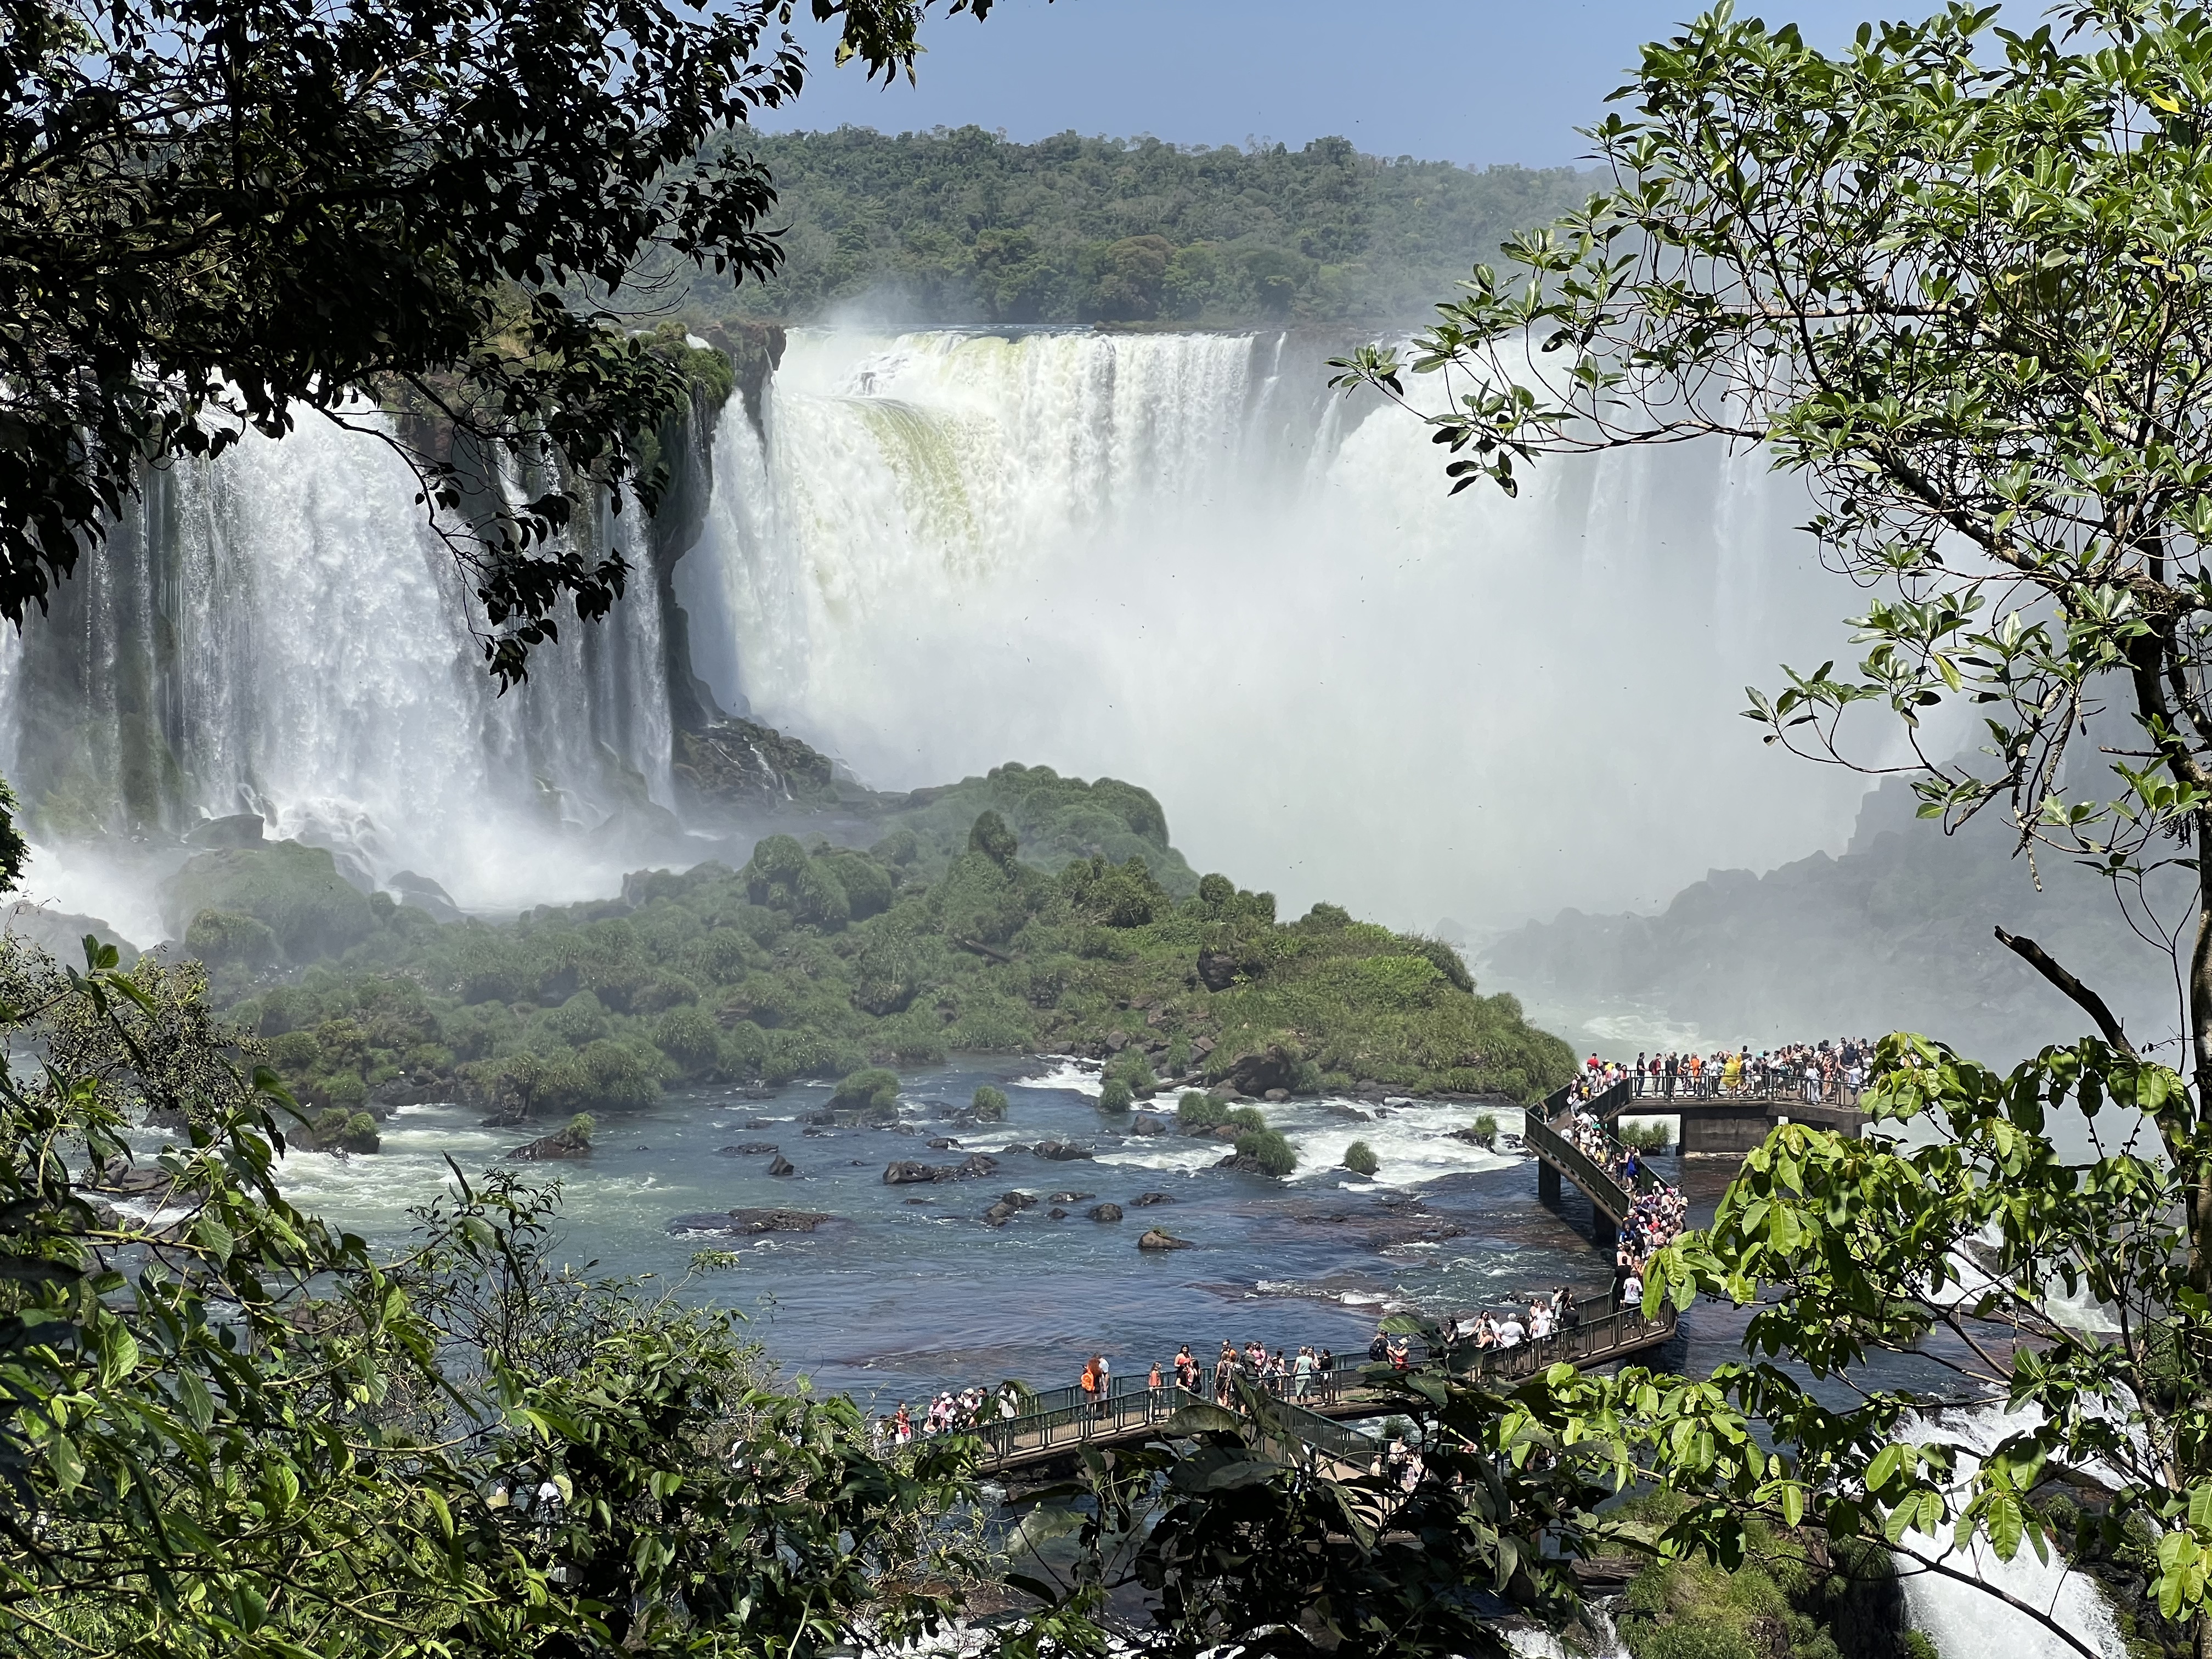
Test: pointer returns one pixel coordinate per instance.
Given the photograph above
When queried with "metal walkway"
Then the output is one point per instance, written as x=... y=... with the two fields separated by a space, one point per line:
x=1062 y=1422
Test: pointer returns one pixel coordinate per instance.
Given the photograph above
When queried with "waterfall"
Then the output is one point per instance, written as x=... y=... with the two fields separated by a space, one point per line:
x=280 y=632
x=1178 y=559
x=1968 y=1623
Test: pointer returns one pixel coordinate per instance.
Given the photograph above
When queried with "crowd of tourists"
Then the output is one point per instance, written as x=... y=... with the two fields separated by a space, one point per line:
x=1831 y=1071
x=1656 y=1210
x=963 y=1413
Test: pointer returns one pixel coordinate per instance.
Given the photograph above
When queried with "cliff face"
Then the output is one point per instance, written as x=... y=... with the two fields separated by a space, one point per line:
x=1896 y=933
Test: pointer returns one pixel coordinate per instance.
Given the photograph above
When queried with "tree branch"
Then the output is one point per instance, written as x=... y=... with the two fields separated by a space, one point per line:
x=2090 y=1003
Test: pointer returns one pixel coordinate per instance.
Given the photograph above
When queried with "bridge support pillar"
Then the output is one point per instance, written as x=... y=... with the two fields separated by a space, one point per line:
x=1602 y=1230
x=1548 y=1183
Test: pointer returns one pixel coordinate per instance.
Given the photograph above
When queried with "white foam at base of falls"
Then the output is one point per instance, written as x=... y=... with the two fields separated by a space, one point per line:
x=1171 y=558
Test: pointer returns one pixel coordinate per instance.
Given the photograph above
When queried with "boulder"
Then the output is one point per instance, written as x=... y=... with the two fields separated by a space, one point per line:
x=1061 y=1151
x=1154 y=1239
x=1244 y=1164
x=1151 y=1123
x=1105 y=1212
x=421 y=893
x=1020 y=1200
x=60 y=934
x=1144 y=1198
x=747 y=1149
x=751 y=1221
x=1272 y=1067
x=943 y=1143
x=1279 y=1094
x=565 y=1143
x=239 y=829
x=1056 y=1215
x=1226 y=1132
x=419 y=1091
x=1217 y=971
x=759 y=1123
x=905 y=1172
x=781 y=1165
x=999 y=1214
x=1117 y=1041
x=1072 y=1198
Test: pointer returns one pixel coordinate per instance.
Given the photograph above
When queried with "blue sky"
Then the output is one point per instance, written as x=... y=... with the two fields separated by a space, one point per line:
x=1469 y=81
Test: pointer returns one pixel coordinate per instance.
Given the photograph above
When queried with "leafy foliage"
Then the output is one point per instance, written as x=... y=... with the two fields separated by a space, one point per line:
x=1239 y=1534
x=1967 y=1242
x=1359 y=1158
x=230 y=1430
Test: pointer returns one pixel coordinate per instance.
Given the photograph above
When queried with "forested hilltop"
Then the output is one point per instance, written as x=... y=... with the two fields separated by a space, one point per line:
x=1015 y=913
x=963 y=226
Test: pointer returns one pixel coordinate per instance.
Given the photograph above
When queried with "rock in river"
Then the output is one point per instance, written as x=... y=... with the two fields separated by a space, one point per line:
x=566 y=1143
x=905 y=1171
x=1154 y=1239
x=747 y=1149
x=1106 y=1212
x=1061 y=1151
x=781 y=1165
x=750 y=1221
x=1143 y=1198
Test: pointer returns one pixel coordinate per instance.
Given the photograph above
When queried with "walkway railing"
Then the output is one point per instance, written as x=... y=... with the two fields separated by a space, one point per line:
x=1816 y=1092
x=1603 y=1190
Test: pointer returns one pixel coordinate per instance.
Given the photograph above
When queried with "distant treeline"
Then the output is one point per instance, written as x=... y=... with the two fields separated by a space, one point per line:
x=962 y=226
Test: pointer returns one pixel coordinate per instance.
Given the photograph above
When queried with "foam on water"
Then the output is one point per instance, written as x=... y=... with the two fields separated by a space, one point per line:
x=1412 y=1144
x=1085 y=1077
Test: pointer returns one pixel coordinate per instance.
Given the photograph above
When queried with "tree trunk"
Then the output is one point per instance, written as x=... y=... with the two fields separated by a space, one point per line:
x=2200 y=1037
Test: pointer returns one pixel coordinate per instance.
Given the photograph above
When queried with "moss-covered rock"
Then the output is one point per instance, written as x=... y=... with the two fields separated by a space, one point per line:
x=230 y=938
x=874 y=1091
x=339 y=1130
x=295 y=891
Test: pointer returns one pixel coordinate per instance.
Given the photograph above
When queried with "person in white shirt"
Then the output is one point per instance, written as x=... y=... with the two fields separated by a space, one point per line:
x=1510 y=1333
x=1539 y=1320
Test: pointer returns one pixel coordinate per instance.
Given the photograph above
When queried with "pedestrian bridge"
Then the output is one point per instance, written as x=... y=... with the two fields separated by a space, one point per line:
x=1065 y=1421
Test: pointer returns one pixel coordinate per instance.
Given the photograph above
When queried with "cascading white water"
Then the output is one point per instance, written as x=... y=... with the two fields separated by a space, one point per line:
x=1174 y=559
x=301 y=641
x=1967 y=1622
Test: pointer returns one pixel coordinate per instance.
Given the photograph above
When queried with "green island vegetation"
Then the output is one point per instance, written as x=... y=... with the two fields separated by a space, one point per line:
x=965 y=226
x=820 y=961
x=1359 y=1158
